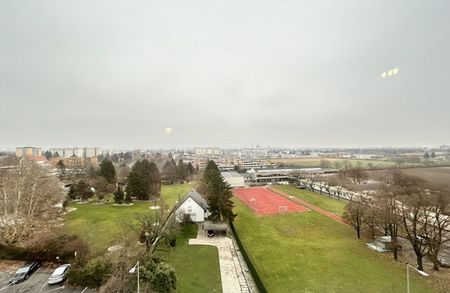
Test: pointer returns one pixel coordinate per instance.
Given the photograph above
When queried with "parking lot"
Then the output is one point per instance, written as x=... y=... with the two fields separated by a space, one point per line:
x=37 y=283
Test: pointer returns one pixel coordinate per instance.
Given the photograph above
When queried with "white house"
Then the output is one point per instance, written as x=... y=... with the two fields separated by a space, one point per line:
x=192 y=205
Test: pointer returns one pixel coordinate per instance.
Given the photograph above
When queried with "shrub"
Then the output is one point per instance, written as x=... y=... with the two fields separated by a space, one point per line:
x=118 y=197
x=93 y=274
x=62 y=246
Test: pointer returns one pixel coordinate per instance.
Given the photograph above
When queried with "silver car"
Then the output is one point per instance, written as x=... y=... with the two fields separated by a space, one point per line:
x=59 y=275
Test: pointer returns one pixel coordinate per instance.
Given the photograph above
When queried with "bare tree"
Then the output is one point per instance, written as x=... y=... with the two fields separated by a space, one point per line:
x=371 y=214
x=28 y=195
x=354 y=213
x=415 y=217
x=154 y=227
x=121 y=281
x=387 y=203
x=438 y=230
x=414 y=209
x=357 y=175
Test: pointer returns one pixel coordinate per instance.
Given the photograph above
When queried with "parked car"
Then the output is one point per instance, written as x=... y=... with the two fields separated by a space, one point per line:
x=210 y=233
x=59 y=275
x=24 y=272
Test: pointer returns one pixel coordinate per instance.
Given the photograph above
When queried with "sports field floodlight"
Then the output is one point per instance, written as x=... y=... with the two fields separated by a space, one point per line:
x=407 y=274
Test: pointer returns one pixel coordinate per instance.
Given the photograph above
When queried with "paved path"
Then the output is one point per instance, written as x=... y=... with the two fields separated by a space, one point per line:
x=308 y=205
x=234 y=273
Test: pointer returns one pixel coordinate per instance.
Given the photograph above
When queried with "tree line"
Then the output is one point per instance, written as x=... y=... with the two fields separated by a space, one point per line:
x=173 y=172
x=404 y=207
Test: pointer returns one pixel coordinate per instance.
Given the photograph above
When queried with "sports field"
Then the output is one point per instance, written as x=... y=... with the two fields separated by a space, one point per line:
x=319 y=200
x=265 y=202
x=309 y=252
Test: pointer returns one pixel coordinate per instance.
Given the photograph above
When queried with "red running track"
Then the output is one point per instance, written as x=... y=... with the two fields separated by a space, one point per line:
x=265 y=202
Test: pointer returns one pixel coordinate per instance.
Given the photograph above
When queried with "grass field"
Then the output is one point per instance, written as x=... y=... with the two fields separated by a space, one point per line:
x=197 y=266
x=437 y=177
x=316 y=162
x=308 y=252
x=97 y=224
x=322 y=201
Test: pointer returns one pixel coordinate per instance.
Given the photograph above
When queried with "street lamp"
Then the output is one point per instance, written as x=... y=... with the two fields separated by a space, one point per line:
x=407 y=274
x=133 y=270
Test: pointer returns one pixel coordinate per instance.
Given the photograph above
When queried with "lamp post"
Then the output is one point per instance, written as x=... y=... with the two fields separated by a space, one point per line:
x=133 y=270
x=407 y=275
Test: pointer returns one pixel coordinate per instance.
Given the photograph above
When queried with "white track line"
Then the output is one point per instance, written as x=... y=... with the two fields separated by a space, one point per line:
x=5 y=287
x=59 y=288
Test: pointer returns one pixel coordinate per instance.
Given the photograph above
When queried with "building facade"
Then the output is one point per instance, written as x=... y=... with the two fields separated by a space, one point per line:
x=86 y=152
x=28 y=151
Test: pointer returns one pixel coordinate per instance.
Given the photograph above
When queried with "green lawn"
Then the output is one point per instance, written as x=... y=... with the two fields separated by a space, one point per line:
x=197 y=266
x=308 y=252
x=97 y=224
x=322 y=201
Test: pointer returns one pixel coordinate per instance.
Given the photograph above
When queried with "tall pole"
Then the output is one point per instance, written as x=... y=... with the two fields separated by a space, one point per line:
x=407 y=278
x=138 y=276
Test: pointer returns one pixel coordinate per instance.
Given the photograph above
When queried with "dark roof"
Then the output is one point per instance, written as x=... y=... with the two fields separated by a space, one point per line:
x=217 y=226
x=196 y=197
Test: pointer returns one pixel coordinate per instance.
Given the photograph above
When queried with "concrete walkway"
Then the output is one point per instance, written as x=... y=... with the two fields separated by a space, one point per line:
x=234 y=273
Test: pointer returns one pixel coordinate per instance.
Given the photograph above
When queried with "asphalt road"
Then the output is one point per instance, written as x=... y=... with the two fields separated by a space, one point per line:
x=37 y=283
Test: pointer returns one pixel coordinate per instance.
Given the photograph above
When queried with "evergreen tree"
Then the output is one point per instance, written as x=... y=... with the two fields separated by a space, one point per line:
x=118 y=196
x=169 y=170
x=48 y=155
x=181 y=170
x=190 y=169
x=218 y=193
x=143 y=180
x=155 y=176
x=426 y=156
x=60 y=165
x=108 y=171
x=433 y=155
x=80 y=190
x=61 y=168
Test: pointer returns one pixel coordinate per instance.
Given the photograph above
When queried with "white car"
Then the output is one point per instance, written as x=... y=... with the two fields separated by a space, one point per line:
x=59 y=275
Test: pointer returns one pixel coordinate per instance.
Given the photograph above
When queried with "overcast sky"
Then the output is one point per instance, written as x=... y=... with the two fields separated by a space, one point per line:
x=224 y=73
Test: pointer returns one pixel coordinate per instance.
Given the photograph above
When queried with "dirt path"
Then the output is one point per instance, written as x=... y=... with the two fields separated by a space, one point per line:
x=308 y=205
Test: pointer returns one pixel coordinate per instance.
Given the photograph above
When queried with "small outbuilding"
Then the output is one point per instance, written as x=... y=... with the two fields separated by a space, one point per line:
x=233 y=178
x=217 y=228
x=382 y=244
x=191 y=208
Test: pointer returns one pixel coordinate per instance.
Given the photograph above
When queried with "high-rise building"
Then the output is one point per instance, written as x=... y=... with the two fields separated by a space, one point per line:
x=28 y=151
x=207 y=151
x=85 y=152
